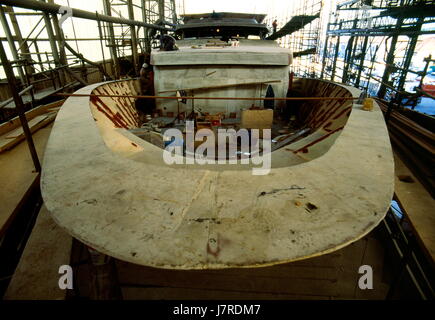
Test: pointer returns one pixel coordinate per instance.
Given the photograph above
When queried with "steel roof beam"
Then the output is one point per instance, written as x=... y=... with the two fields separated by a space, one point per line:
x=54 y=9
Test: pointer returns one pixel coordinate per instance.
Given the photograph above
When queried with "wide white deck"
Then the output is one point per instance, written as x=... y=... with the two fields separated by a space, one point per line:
x=130 y=205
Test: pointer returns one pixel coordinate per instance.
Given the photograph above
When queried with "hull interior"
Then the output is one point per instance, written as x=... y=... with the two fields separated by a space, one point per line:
x=310 y=127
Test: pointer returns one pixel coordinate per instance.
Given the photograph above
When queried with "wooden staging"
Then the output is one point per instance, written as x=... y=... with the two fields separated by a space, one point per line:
x=17 y=172
x=418 y=206
x=331 y=276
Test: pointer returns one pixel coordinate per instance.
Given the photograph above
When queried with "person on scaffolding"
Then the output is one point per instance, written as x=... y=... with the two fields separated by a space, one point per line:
x=274 y=25
x=143 y=105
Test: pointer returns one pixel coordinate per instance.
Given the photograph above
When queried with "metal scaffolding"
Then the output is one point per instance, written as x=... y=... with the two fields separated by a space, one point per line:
x=125 y=37
x=305 y=41
x=127 y=43
x=124 y=28
x=370 y=44
x=33 y=75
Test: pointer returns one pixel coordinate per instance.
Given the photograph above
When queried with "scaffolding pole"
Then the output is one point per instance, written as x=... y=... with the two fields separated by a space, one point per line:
x=133 y=36
x=11 y=43
x=112 y=41
x=54 y=9
x=19 y=106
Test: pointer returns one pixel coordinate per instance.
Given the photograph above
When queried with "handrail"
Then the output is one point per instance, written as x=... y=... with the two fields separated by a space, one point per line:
x=6 y=102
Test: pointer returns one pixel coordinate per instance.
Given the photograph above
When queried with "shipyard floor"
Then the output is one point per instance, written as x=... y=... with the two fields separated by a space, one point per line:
x=331 y=276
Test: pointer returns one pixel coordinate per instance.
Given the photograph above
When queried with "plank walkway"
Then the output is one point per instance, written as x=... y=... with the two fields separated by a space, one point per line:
x=418 y=205
x=17 y=175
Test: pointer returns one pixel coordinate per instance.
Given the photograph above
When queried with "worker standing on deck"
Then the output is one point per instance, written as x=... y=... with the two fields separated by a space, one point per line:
x=144 y=105
x=274 y=25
